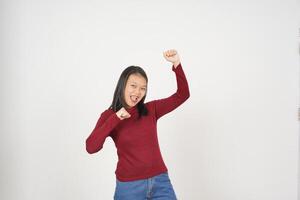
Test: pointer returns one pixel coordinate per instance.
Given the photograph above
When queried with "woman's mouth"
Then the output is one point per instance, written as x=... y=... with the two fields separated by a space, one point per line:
x=134 y=99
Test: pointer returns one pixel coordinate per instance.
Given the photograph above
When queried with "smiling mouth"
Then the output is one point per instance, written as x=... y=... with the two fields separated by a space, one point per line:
x=134 y=99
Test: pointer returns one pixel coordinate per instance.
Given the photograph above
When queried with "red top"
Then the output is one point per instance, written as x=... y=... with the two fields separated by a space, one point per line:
x=139 y=155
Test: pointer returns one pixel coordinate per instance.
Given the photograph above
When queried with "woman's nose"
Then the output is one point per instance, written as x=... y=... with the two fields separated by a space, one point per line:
x=139 y=92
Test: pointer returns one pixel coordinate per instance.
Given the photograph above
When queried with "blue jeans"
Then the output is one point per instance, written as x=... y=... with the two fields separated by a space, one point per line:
x=155 y=188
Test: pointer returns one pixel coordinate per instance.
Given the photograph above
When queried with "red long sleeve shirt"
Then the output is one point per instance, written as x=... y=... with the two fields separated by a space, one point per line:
x=139 y=155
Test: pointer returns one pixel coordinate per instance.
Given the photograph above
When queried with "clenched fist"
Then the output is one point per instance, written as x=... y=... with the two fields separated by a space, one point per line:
x=123 y=114
x=172 y=56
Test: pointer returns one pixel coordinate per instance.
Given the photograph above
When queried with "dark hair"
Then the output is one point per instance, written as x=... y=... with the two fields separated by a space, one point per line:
x=118 y=99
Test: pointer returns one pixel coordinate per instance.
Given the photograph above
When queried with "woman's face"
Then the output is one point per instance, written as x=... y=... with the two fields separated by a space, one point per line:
x=135 y=89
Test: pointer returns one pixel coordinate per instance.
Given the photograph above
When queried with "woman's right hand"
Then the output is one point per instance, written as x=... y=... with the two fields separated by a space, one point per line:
x=123 y=114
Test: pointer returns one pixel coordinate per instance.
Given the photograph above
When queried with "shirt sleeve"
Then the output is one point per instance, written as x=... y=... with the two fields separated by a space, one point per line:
x=166 y=105
x=105 y=124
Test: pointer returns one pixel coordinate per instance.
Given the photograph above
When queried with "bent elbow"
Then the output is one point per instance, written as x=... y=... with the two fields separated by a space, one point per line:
x=187 y=95
x=91 y=148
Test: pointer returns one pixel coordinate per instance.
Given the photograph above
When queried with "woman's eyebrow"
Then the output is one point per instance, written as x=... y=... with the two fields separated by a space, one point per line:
x=137 y=84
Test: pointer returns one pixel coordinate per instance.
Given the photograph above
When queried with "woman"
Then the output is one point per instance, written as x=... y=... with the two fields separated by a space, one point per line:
x=141 y=172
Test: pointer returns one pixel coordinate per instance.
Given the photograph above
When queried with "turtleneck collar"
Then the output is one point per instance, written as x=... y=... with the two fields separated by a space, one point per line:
x=132 y=109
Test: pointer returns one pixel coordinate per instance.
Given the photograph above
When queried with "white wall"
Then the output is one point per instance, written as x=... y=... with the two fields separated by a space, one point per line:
x=235 y=138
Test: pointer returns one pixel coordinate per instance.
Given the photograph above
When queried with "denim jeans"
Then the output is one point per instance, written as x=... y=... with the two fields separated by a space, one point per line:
x=155 y=188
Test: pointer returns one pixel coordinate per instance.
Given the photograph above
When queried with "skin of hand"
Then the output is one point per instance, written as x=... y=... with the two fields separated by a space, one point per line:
x=123 y=114
x=172 y=56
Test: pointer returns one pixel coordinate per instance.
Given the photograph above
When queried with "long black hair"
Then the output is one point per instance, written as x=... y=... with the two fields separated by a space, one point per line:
x=118 y=100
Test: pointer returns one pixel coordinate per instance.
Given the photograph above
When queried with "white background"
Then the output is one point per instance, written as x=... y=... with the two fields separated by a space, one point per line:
x=235 y=138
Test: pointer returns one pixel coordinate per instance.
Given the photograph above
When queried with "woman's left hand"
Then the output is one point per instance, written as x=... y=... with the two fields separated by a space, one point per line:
x=172 y=56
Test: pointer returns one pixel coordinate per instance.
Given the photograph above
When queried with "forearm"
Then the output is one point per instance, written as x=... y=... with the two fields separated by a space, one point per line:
x=182 y=84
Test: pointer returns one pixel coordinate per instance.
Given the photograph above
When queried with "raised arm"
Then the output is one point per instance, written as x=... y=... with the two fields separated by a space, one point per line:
x=106 y=123
x=166 y=105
